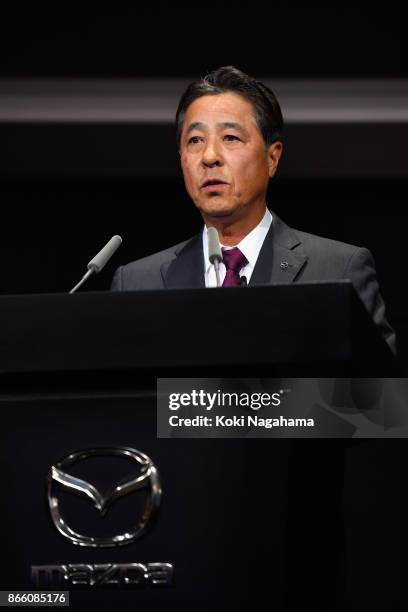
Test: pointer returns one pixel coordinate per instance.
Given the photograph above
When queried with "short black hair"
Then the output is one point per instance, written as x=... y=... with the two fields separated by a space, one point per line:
x=267 y=112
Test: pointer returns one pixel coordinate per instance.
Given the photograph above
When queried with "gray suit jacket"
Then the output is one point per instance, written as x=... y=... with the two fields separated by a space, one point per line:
x=305 y=258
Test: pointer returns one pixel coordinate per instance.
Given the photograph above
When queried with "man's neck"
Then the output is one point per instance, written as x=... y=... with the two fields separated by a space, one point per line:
x=232 y=231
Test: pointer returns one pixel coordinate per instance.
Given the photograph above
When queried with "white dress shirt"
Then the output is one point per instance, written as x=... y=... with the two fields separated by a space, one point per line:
x=250 y=246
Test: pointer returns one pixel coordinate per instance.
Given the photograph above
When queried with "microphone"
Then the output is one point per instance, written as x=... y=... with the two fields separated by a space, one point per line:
x=100 y=260
x=214 y=251
x=243 y=282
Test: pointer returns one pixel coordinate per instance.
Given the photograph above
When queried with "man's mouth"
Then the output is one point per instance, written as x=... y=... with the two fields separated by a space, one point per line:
x=213 y=184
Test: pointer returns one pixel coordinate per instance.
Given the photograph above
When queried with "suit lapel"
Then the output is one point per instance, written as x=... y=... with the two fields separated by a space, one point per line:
x=281 y=257
x=186 y=271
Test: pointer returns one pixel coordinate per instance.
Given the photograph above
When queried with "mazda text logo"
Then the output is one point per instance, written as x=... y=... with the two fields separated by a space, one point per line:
x=146 y=477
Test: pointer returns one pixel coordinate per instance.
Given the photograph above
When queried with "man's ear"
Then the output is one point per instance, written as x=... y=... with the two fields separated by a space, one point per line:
x=274 y=155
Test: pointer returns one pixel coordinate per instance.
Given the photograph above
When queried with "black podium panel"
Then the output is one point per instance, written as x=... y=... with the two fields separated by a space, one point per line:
x=293 y=330
x=247 y=524
x=242 y=521
x=221 y=520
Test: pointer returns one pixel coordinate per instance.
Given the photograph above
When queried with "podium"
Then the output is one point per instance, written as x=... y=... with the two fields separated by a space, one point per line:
x=303 y=329
x=79 y=372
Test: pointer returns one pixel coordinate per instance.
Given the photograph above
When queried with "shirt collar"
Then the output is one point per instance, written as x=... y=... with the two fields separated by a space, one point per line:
x=249 y=246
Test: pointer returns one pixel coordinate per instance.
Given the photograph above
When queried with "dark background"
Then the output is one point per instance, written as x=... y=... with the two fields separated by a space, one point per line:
x=278 y=39
x=66 y=188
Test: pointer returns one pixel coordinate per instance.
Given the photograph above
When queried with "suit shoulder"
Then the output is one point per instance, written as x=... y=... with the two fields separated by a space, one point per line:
x=331 y=259
x=145 y=273
x=156 y=259
x=314 y=244
x=313 y=247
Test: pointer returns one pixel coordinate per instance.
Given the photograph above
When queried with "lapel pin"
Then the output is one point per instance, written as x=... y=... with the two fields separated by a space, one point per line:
x=284 y=265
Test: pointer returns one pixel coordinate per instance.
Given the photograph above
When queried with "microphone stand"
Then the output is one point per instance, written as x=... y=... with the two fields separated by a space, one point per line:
x=217 y=270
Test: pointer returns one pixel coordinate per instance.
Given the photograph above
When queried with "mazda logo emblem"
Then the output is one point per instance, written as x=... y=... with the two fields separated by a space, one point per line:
x=146 y=477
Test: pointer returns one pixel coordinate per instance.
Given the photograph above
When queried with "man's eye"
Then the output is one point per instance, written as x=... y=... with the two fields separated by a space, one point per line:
x=230 y=137
x=194 y=140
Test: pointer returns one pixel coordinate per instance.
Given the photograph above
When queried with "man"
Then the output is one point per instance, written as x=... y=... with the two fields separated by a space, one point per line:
x=229 y=130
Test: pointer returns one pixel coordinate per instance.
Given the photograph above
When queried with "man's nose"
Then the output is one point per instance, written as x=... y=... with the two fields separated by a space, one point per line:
x=211 y=154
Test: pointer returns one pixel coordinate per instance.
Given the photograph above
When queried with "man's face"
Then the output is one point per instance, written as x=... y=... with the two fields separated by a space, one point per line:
x=225 y=165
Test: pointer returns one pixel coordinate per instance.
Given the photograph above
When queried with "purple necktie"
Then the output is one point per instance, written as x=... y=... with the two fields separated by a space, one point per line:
x=234 y=261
